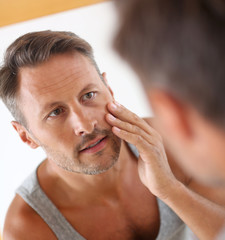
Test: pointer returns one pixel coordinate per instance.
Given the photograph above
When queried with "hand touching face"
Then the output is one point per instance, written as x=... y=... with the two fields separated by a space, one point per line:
x=154 y=170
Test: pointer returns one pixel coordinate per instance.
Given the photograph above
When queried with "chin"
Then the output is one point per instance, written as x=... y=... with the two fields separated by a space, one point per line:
x=102 y=168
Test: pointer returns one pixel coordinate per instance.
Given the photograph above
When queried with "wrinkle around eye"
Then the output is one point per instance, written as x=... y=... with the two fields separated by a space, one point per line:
x=56 y=112
x=89 y=99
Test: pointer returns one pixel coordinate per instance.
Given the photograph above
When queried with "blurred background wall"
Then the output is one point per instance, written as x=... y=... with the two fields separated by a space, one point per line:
x=95 y=23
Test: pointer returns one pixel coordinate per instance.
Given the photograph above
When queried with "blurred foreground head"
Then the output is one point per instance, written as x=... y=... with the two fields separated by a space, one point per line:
x=177 y=48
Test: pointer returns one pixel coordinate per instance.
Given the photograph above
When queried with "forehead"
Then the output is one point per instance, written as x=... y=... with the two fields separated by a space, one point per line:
x=57 y=76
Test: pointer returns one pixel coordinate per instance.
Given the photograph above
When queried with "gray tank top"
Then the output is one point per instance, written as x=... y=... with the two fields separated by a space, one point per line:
x=171 y=226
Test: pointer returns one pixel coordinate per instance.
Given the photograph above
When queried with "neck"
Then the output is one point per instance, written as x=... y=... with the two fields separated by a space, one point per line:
x=90 y=186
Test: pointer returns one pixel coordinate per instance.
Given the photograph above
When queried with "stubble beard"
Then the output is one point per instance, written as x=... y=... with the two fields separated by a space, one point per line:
x=79 y=165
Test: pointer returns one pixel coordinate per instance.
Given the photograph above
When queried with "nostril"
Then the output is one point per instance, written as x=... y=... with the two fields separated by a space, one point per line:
x=83 y=126
x=82 y=133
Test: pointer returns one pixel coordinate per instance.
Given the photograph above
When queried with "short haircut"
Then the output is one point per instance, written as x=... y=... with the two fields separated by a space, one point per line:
x=178 y=45
x=32 y=49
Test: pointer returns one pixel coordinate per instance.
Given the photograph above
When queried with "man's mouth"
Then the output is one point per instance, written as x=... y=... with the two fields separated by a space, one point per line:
x=95 y=145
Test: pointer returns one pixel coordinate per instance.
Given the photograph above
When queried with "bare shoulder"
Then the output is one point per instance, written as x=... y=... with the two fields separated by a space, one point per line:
x=22 y=222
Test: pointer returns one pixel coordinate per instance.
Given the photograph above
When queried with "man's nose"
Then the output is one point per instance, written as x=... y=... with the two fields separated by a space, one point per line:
x=83 y=122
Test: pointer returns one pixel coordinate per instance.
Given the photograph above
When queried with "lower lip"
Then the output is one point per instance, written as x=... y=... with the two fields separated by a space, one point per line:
x=96 y=148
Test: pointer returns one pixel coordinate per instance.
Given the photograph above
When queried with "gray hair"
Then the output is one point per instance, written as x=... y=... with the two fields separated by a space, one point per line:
x=32 y=49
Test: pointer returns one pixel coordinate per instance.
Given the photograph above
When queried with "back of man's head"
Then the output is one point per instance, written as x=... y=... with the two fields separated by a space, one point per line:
x=30 y=50
x=178 y=45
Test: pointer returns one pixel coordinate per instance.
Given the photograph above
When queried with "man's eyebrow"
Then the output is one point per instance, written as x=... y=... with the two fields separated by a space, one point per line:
x=87 y=88
x=49 y=106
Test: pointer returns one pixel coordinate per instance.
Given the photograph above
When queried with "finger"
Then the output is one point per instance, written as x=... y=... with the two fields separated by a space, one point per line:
x=125 y=115
x=146 y=149
x=130 y=128
x=138 y=141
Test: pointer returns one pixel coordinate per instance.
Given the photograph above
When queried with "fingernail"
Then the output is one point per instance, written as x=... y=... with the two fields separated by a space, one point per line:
x=116 y=129
x=118 y=104
x=111 y=117
x=113 y=105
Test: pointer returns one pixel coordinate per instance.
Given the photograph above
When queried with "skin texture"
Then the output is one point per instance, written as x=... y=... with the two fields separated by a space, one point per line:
x=177 y=50
x=105 y=205
x=50 y=118
x=156 y=175
x=91 y=203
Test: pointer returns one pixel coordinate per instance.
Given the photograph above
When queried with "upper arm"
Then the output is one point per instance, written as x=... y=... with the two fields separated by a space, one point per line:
x=22 y=222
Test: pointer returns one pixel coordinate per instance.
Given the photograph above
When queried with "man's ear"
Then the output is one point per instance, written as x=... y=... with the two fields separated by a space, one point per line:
x=172 y=114
x=106 y=83
x=24 y=134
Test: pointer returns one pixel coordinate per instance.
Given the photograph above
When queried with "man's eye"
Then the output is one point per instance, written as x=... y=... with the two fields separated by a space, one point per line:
x=56 y=112
x=88 y=96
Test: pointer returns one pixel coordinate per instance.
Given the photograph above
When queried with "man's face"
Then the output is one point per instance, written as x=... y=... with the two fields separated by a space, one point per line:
x=64 y=102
